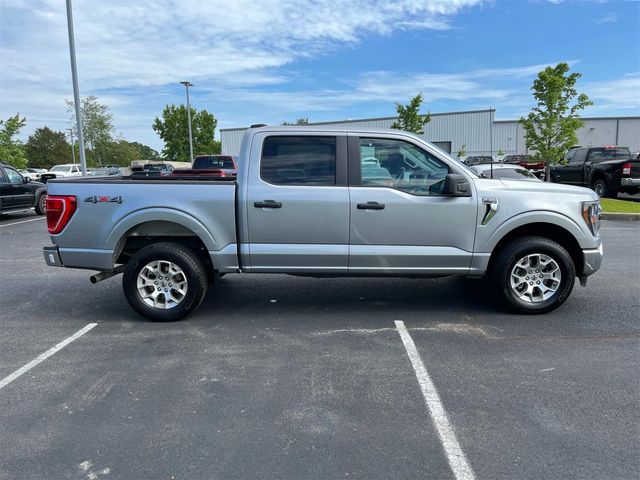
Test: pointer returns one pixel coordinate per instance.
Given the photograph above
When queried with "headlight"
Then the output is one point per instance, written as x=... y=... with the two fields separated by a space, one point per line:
x=591 y=213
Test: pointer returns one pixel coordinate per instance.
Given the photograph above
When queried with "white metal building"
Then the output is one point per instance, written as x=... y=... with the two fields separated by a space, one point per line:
x=478 y=133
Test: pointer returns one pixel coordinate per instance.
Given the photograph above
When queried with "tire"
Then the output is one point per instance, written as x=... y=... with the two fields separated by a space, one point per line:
x=509 y=270
x=185 y=282
x=602 y=189
x=41 y=204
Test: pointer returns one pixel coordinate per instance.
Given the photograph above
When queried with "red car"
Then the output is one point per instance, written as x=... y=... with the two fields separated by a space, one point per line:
x=211 y=166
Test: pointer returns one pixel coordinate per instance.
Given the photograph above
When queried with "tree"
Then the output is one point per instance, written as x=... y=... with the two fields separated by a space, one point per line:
x=409 y=118
x=462 y=152
x=174 y=132
x=145 y=152
x=299 y=121
x=46 y=147
x=550 y=128
x=97 y=125
x=11 y=149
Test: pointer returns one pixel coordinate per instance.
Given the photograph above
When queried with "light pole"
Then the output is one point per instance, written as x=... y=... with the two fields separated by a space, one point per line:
x=186 y=86
x=73 y=150
x=76 y=93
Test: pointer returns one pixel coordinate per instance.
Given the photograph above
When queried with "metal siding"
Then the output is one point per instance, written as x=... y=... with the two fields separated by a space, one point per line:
x=473 y=130
x=231 y=140
x=629 y=133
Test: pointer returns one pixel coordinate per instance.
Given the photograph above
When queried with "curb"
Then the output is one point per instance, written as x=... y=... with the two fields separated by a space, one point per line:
x=620 y=216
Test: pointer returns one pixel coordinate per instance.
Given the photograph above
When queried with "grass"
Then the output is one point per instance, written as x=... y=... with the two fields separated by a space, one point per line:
x=619 y=206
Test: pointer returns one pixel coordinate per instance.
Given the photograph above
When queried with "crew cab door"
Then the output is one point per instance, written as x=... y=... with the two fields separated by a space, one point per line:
x=573 y=172
x=14 y=190
x=401 y=223
x=297 y=203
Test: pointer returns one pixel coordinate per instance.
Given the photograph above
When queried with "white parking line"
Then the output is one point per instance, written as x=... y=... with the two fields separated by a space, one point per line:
x=10 y=378
x=24 y=221
x=457 y=460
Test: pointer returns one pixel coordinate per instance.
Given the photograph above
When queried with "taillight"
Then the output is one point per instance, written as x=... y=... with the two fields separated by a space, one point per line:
x=60 y=208
x=626 y=168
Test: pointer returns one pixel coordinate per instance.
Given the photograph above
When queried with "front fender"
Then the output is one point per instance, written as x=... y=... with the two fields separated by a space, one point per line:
x=582 y=235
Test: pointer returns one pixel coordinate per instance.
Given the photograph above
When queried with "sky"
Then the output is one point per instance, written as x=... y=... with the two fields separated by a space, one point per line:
x=267 y=61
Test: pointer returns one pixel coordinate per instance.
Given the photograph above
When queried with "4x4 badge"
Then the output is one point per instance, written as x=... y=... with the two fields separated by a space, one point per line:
x=103 y=199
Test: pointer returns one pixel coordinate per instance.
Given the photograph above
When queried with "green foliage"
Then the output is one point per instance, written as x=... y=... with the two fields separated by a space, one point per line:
x=299 y=121
x=551 y=126
x=145 y=152
x=174 y=131
x=97 y=125
x=500 y=152
x=409 y=118
x=462 y=152
x=11 y=149
x=46 y=148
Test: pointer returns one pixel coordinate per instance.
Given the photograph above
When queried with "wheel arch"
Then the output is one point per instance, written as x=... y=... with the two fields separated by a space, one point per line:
x=143 y=228
x=552 y=231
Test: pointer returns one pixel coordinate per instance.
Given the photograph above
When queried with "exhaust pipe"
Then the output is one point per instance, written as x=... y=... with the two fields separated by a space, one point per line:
x=98 y=277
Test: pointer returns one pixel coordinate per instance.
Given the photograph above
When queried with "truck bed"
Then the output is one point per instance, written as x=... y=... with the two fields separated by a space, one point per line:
x=146 y=179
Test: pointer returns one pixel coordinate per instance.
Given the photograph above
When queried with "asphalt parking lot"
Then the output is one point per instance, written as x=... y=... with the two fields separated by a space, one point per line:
x=283 y=377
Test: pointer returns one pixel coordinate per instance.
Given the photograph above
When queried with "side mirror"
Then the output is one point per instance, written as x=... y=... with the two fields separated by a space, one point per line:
x=456 y=185
x=26 y=179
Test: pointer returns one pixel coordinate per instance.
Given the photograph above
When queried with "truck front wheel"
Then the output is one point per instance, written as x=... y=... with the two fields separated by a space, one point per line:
x=533 y=275
x=164 y=281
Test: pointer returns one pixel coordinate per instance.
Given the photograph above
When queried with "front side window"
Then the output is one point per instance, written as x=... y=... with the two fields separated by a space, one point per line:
x=299 y=160
x=579 y=157
x=401 y=165
x=14 y=176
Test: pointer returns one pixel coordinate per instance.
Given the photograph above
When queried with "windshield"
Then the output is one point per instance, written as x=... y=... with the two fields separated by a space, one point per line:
x=60 y=168
x=213 y=162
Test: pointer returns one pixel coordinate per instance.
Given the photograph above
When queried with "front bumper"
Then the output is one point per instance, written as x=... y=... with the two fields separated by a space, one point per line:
x=630 y=182
x=52 y=256
x=592 y=260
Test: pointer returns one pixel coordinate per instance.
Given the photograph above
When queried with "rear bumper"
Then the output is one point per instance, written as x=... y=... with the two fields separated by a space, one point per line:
x=52 y=256
x=592 y=260
x=630 y=182
x=91 y=259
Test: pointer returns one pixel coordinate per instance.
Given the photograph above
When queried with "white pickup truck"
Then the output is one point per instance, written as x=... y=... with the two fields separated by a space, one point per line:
x=330 y=202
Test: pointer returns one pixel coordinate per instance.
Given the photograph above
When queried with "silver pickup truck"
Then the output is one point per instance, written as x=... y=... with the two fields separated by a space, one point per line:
x=326 y=202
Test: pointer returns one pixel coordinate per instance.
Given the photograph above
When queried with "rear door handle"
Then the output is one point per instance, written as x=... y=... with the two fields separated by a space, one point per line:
x=268 y=204
x=371 y=206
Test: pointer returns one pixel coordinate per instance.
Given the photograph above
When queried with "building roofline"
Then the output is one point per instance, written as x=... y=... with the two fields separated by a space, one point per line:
x=348 y=121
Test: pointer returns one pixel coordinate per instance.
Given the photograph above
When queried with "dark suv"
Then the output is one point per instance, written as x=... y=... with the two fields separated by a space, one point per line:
x=18 y=193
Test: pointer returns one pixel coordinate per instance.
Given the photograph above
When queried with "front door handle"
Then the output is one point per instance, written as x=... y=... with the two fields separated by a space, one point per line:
x=371 y=206
x=268 y=204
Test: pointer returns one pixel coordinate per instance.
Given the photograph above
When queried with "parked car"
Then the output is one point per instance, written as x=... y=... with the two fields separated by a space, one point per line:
x=526 y=161
x=211 y=165
x=478 y=160
x=19 y=193
x=31 y=175
x=66 y=170
x=152 y=170
x=504 y=171
x=607 y=170
x=104 y=171
x=303 y=204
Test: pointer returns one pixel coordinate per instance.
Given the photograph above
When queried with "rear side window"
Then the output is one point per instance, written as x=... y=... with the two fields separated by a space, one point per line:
x=605 y=154
x=299 y=160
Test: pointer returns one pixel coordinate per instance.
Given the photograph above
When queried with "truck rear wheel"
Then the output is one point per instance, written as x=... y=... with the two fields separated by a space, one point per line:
x=533 y=275
x=165 y=281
